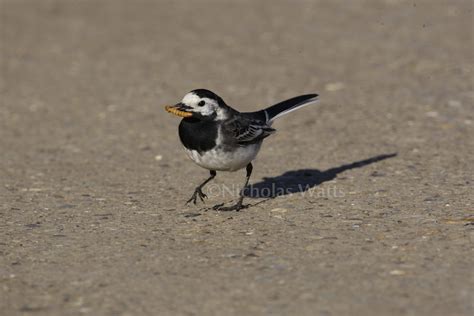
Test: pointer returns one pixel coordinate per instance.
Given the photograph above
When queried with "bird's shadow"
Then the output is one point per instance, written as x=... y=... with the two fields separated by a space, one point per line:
x=302 y=180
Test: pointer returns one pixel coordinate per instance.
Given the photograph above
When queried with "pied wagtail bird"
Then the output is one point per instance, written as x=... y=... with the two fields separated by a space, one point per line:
x=220 y=138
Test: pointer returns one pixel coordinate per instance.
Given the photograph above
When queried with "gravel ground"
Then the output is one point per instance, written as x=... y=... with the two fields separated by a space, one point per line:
x=93 y=178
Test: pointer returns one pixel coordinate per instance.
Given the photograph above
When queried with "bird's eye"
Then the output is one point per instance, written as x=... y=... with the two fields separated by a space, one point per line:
x=201 y=103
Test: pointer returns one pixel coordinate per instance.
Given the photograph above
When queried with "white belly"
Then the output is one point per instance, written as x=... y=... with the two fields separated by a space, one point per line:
x=221 y=160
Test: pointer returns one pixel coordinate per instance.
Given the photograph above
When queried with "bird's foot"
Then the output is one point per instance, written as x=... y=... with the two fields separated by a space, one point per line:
x=197 y=193
x=236 y=207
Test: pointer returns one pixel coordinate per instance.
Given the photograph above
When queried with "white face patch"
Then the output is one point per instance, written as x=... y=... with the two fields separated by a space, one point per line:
x=209 y=107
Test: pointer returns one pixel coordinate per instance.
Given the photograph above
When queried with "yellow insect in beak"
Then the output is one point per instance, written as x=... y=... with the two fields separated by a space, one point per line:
x=174 y=109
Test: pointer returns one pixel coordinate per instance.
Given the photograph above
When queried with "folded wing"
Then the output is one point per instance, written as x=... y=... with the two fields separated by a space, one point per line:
x=247 y=131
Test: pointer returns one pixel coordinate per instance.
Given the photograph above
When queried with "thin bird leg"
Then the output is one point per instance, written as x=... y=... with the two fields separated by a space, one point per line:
x=198 y=191
x=238 y=206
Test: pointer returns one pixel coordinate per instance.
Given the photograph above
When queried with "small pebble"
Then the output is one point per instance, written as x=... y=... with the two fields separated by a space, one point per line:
x=397 y=272
x=454 y=103
x=334 y=86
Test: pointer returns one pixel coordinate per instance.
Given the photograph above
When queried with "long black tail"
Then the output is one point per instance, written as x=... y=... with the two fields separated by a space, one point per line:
x=275 y=111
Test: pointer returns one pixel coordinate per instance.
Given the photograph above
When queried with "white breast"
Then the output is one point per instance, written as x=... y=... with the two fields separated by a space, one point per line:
x=221 y=160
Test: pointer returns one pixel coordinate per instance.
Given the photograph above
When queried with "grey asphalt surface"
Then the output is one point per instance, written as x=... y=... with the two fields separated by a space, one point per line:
x=93 y=178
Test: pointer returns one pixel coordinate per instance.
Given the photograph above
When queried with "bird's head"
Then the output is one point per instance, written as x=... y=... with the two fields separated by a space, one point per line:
x=200 y=104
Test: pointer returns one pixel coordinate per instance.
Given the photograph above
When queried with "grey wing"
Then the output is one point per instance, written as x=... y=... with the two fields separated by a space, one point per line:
x=245 y=131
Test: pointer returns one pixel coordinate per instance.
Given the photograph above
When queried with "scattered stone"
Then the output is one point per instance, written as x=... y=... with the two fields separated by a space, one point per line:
x=32 y=189
x=454 y=103
x=397 y=272
x=334 y=86
x=279 y=210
